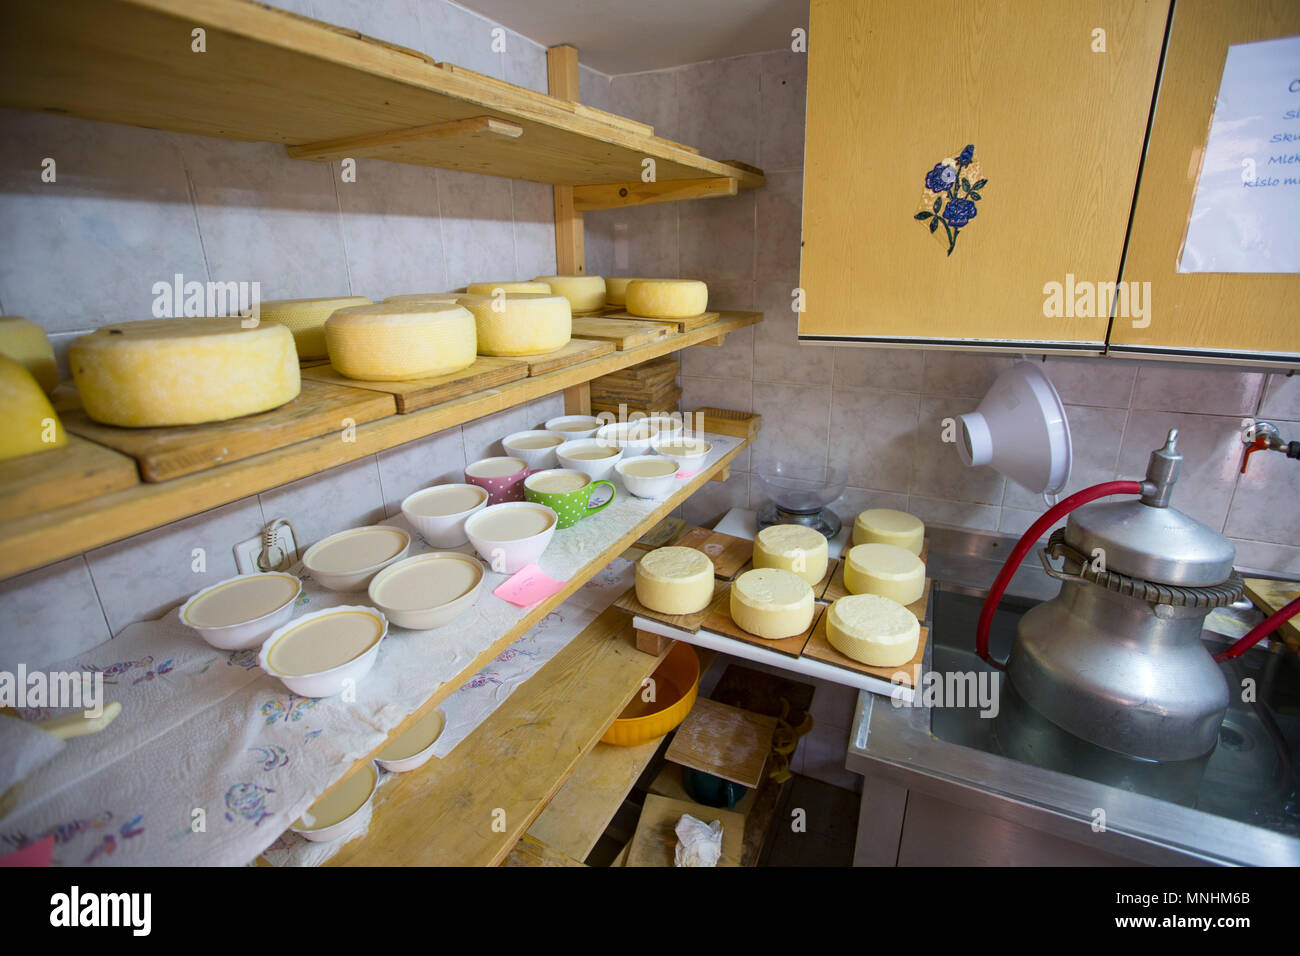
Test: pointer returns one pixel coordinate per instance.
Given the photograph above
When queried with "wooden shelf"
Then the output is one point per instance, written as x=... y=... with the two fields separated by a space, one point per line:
x=36 y=540
x=325 y=92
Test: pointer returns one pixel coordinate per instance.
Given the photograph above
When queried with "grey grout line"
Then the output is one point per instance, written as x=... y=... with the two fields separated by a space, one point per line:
x=343 y=233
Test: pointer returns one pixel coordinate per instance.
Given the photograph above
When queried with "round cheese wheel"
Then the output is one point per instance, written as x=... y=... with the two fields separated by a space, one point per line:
x=667 y=298
x=29 y=417
x=423 y=297
x=887 y=526
x=873 y=630
x=585 y=293
x=886 y=570
x=794 y=548
x=518 y=323
x=675 y=580
x=401 y=340
x=616 y=289
x=491 y=288
x=305 y=318
x=771 y=603
x=27 y=344
x=183 y=371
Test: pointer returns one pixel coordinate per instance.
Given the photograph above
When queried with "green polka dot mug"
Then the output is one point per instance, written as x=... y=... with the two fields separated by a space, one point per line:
x=567 y=492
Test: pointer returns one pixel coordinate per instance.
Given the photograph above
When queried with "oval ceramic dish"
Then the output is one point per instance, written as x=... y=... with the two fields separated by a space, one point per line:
x=573 y=427
x=689 y=452
x=428 y=590
x=348 y=560
x=238 y=613
x=677 y=680
x=511 y=535
x=342 y=811
x=536 y=447
x=596 y=468
x=649 y=485
x=633 y=437
x=439 y=513
x=413 y=746
x=320 y=653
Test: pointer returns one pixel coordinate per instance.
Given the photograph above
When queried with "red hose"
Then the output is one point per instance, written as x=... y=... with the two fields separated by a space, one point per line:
x=1027 y=542
x=1260 y=631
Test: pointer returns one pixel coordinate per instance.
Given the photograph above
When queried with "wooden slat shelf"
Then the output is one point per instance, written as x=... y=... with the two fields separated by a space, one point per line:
x=273 y=76
x=36 y=540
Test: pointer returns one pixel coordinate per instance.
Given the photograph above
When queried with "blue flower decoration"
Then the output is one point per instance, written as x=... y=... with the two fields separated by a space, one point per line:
x=941 y=178
x=949 y=202
x=966 y=156
x=958 y=212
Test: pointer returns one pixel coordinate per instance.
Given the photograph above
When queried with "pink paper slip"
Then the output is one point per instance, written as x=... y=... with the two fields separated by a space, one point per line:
x=688 y=474
x=528 y=586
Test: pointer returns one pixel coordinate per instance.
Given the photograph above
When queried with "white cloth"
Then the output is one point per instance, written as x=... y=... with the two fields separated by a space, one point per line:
x=698 y=843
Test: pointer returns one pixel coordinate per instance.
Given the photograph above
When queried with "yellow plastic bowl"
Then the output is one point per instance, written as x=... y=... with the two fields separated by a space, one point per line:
x=676 y=681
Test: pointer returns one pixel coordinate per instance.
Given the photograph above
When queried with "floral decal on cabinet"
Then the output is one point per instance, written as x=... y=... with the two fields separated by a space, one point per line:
x=952 y=189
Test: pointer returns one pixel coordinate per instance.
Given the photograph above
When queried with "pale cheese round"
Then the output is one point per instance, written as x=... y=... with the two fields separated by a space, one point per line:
x=794 y=548
x=305 y=318
x=585 y=293
x=885 y=570
x=491 y=288
x=888 y=526
x=396 y=341
x=616 y=289
x=27 y=344
x=873 y=630
x=675 y=580
x=423 y=297
x=667 y=298
x=29 y=418
x=772 y=603
x=183 y=371
x=517 y=323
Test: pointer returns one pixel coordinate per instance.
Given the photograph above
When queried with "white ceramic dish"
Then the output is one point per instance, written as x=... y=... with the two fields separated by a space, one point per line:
x=663 y=425
x=334 y=677
x=490 y=532
x=648 y=486
x=673 y=445
x=348 y=560
x=240 y=632
x=414 y=746
x=445 y=529
x=428 y=590
x=535 y=455
x=598 y=469
x=362 y=781
x=633 y=437
x=573 y=427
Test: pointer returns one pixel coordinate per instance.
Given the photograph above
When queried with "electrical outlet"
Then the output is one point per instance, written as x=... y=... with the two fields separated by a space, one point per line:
x=247 y=552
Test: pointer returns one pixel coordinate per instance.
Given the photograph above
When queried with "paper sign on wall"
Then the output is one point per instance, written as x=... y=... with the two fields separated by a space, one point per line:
x=1246 y=214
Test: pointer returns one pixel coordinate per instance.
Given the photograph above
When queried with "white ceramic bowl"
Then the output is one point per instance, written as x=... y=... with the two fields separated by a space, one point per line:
x=420 y=731
x=663 y=425
x=433 y=610
x=442 y=530
x=688 y=463
x=633 y=437
x=535 y=458
x=648 y=486
x=598 y=469
x=244 y=634
x=351 y=578
x=350 y=824
x=508 y=555
x=573 y=427
x=333 y=680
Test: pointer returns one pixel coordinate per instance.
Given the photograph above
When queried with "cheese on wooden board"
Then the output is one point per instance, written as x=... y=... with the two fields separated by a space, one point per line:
x=27 y=344
x=183 y=371
x=873 y=630
x=520 y=323
x=887 y=526
x=490 y=288
x=675 y=580
x=397 y=341
x=616 y=289
x=771 y=603
x=305 y=318
x=886 y=570
x=29 y=417
x=585 y=293
x=667 y=298
x=792 y=547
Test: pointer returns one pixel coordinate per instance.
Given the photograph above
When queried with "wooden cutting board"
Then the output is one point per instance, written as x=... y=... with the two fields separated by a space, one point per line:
x=418 y=393
x=574 y=353
x=686 y=622
x=727 y=552
x=1270 y=596
x=685 y=325
x=725 y=741
x=655 y=841
x=164 y=453
x=720 y=621
x=61 y=476
x=624 y=333
x=909 y=674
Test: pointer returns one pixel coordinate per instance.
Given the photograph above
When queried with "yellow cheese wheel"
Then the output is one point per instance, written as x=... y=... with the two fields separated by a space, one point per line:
x=887 y=526
x=423 y=297
x=520 y=323
x=585 y=293
x=771 y=603
x=305 y=318
x=667 y=298
x=29 y=417
x=396 y=341
x=873 y=630
x=183 y=371
x=675 y=580
x=490 y=288
x=616 y=289
x=27 y=344
x=886 y=570
x=794 y=548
